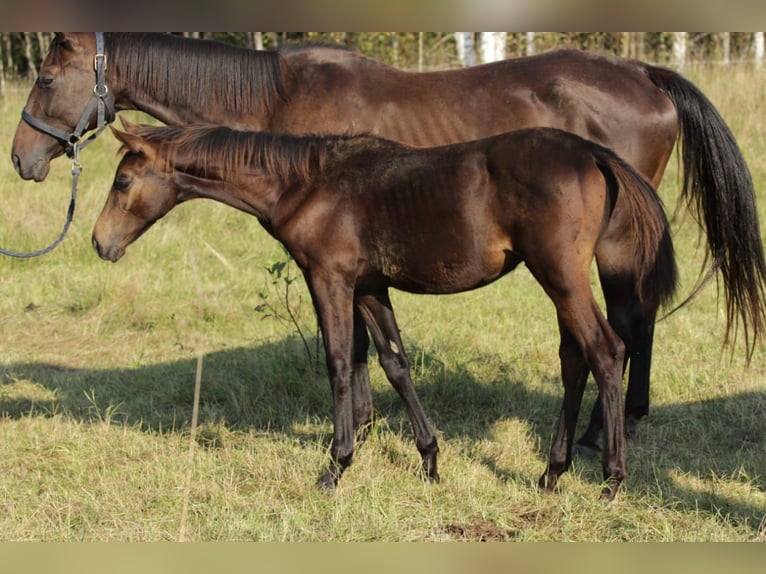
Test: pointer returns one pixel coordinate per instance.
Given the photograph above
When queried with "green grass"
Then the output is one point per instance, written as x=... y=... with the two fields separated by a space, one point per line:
x=97 y=369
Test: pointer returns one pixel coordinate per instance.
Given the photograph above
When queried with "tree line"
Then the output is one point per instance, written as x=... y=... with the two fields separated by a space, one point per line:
x=21 y=53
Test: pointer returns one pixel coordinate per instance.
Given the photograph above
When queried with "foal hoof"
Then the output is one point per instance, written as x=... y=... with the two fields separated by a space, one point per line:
x=547 y=482
x=433 y=477
x=328 y=481
x=610 y=490
x=429 y=470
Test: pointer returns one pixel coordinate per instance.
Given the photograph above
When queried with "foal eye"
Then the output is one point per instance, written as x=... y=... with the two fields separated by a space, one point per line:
x=121 y=183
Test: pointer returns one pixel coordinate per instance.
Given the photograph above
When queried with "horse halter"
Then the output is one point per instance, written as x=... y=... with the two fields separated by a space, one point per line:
x=100 y=99
x=73 y=143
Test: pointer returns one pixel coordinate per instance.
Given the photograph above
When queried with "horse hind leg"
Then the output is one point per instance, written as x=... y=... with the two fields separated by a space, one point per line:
x=361 y=390
x=378 y=313
x=634 y=323
x=635 y=326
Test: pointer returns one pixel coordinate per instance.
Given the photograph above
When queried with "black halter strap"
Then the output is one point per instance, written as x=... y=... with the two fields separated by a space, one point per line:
x=103 y=102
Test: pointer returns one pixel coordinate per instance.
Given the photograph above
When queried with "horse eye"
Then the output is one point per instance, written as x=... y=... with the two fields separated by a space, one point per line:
x=44 y=81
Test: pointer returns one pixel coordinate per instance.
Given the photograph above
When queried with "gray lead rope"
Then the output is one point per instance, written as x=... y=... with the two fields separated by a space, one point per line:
x=72 y=141
x=76 y=171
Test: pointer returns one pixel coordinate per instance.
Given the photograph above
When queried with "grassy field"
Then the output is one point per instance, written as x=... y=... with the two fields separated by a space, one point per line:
x=97 y=374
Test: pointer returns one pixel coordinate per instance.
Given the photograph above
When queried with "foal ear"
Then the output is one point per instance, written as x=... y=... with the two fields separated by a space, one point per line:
x=133 y=142
x=127 y=125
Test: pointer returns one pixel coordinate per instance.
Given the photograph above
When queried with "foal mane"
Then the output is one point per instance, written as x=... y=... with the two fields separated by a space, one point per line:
x=193 y=73
x=213 y=151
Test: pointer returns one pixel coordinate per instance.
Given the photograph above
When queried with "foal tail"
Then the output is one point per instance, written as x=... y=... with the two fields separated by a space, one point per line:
x=654 y=265
x=719 y=191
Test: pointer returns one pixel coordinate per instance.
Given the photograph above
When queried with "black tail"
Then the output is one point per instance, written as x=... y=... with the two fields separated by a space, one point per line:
x=655 y=267
x=719 y=191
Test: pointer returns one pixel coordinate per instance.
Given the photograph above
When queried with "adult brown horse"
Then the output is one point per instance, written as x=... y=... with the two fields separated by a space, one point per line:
x=361 y=215
x=637 y=109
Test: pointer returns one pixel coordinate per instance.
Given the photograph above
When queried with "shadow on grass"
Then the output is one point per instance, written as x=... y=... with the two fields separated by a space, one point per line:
x=271 y=388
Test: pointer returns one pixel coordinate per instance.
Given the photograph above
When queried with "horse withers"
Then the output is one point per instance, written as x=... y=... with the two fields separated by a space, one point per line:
x=361 y=215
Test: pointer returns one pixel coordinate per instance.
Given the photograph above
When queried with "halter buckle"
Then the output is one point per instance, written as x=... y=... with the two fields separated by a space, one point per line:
x=96 y=59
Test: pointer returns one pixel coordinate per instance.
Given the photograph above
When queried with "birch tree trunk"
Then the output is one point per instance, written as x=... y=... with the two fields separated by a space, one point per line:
x=758 y=40
x=492 y=46
x=679 y=49
x=2 y=68
x=31 y=67
x=465 y=49
x=530 y=42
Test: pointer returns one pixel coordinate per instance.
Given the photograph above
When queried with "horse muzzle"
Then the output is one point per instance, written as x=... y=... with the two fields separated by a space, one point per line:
x=36 y=171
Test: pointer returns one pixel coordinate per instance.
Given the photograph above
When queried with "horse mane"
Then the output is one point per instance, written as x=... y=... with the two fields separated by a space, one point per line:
x=214 y=151
x=190 y=73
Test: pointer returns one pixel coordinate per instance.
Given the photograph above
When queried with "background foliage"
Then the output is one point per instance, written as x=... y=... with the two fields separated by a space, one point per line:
x=22 y=52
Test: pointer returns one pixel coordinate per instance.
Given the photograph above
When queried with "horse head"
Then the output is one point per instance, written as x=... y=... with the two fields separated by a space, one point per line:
x=62 y=104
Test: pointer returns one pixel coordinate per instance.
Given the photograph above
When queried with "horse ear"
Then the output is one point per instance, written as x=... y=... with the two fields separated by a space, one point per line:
x=133 y=142
x=67 y=40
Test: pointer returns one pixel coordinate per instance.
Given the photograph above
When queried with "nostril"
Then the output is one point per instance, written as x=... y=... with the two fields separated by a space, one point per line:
x=16 y=162
x=96 y=246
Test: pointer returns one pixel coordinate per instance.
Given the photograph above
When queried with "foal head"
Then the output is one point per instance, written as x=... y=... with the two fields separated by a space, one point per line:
x=141 y=193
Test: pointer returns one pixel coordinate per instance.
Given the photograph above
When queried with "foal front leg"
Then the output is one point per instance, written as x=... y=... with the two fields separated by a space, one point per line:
x=333 y=299
x=379 y=315
x=574 y=374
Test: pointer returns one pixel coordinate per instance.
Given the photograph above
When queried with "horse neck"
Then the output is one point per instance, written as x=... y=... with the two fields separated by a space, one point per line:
x=188 y=95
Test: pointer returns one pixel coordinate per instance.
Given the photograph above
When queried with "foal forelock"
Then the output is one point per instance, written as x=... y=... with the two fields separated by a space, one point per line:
x=196 y=73
x=219 y=151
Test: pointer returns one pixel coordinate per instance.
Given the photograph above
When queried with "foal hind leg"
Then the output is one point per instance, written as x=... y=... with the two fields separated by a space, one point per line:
x=574 y=373
x=583 y=327
x=378 y=313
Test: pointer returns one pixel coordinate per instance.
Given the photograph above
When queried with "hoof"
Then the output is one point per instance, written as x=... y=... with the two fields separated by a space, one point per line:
x=547 y=482
x=328 y=481
x=611 y=489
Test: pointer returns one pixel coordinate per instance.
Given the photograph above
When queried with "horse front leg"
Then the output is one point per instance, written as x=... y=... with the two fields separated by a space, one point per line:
x=360 y=382
x=333 y=299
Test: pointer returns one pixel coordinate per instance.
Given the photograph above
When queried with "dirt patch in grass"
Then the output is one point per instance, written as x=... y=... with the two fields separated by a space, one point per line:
x=480 y=531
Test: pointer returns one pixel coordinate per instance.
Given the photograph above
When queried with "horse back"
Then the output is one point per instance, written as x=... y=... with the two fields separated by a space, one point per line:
x=608 y=100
